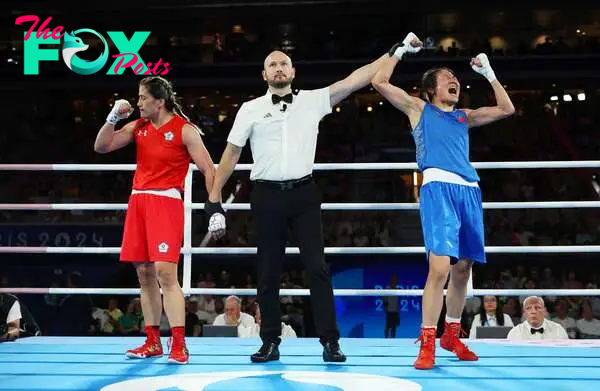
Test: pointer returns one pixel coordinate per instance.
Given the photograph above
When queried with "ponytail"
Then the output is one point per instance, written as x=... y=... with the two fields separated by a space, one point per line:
x=161 y=88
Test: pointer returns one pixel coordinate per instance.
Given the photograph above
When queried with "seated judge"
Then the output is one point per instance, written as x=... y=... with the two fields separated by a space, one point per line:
x=254 y=330
x=536 y=326
x=233 y=315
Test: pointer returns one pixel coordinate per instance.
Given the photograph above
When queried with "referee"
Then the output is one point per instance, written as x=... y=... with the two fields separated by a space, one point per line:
x=10 y=317
x=15 y=319
x=282 y=128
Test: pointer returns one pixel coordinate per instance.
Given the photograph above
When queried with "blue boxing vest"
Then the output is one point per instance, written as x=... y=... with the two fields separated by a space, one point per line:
x=442 y=141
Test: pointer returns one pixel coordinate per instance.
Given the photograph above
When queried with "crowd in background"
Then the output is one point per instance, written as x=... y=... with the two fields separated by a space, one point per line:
x=59 y=126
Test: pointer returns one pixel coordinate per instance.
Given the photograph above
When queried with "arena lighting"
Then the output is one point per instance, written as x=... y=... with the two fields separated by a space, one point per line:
x=567 y=98
x=581 y=96
x=554 y=98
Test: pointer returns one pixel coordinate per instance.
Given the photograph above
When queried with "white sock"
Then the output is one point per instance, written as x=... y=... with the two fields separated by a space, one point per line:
x=452 y=320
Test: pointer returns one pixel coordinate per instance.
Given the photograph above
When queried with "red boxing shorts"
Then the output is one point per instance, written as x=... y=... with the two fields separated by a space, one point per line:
x=153 y=229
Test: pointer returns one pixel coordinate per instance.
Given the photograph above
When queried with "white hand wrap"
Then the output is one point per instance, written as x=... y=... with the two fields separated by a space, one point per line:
x=407 y=46
x=485 y=69
x=119 y=112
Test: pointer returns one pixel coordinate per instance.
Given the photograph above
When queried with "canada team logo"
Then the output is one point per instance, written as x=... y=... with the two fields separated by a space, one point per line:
x=272 y=380
x=74 y=45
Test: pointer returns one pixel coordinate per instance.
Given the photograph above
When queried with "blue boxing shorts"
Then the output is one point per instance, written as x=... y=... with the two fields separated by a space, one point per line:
x=452 y=221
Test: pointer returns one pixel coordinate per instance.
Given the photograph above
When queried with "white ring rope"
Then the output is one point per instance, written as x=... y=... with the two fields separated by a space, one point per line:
x=188 y=250
x=296 y=251
x=324 y=206
x=305 y=292
x=316 y=167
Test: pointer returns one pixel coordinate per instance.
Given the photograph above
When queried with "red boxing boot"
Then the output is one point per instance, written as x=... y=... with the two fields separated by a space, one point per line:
x=451 y=341
x=151 y=348
x=426 y=358
x=178 y=350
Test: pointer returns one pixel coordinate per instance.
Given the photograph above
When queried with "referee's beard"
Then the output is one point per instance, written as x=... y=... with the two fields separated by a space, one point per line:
x=279 y=84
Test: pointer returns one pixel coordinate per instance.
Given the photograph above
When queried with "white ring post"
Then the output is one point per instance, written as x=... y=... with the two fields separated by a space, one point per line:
x=470 y=291
x=187 y=233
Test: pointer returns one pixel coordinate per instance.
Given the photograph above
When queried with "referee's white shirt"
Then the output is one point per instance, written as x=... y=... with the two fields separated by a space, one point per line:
x=283 y=136
x=14 y=313
x=552 y=330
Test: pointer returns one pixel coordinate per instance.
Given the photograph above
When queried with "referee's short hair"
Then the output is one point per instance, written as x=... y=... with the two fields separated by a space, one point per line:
x=530 y=298
x=235 y=298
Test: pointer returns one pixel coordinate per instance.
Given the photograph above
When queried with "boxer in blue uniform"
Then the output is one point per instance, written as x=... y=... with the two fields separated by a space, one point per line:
x=451 y=207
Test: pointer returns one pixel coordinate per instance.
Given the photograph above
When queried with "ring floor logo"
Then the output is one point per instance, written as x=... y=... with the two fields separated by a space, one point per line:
x=128 y=50
x=266 y=380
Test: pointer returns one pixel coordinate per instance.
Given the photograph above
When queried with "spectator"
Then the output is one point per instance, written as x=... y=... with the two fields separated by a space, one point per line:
x=192 y=322
x=565 y=320
x=392 y=311
x=74 y=312
x=114 y=313
x=588 y=326
x=572 y=282
x=129 y=324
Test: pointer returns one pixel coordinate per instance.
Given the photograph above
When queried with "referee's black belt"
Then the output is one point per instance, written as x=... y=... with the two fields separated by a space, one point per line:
x=285 y=185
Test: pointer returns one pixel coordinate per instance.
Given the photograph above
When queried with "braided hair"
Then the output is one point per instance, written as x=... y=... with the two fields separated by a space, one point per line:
x=161 y=88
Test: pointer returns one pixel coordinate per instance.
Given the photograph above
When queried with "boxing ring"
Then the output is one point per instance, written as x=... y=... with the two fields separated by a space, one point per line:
x=99 y=363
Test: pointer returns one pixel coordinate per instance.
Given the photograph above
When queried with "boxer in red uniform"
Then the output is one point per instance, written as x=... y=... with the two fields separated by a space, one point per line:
x=166 y=142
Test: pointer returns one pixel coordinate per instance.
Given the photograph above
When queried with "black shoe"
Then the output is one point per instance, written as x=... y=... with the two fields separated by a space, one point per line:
x=332 y=352
x=269 y=351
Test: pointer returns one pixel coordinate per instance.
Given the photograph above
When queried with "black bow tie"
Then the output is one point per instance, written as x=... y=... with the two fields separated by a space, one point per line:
x=540 y=330
x=286 y=98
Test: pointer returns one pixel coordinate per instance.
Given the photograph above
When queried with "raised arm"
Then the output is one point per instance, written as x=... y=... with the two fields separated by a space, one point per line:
x=107 y=139
x=504 y=106
x=409 y=105
x=195 y=146
x=355 y=81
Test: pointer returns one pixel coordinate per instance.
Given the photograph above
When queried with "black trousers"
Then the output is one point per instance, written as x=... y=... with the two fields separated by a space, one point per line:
x=392 y=321
x=299 y=208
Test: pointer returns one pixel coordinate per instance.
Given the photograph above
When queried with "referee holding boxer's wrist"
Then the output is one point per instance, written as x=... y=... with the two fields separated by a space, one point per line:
x=282 y=128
